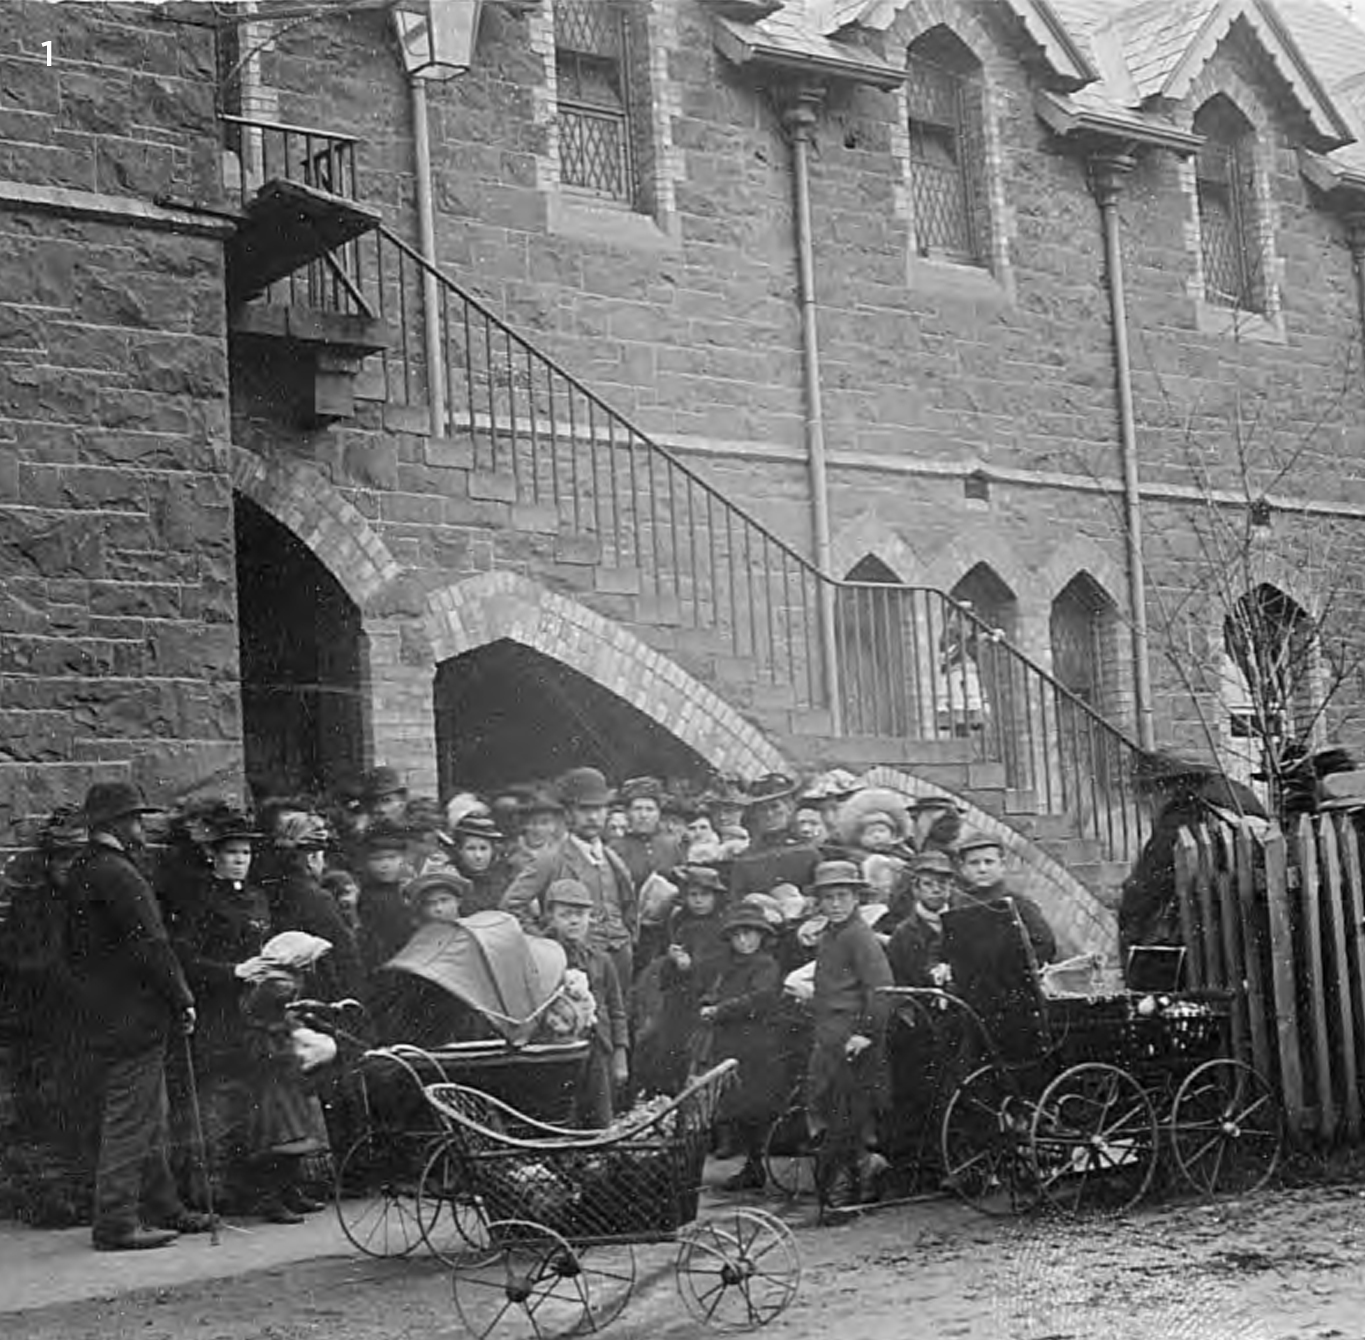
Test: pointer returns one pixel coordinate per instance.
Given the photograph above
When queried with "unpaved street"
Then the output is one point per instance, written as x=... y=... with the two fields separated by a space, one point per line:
x=1285 y=1265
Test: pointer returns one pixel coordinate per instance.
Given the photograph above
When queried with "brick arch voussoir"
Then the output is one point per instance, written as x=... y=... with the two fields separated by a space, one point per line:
x=970 y=547
x=907 y=20
x=496 y=606
x=1082 y=556
x=1083 y=924
x=865 y=535
x=303 y=500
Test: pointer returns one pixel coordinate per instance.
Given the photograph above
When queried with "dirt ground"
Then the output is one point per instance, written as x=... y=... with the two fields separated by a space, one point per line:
x=1283 y=1265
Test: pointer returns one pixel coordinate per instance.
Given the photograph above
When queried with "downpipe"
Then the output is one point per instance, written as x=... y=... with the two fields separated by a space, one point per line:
x=799 y=120
x=426 y=235
x=1106 y=175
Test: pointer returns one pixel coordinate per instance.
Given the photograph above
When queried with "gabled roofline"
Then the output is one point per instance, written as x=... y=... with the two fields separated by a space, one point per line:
x=743 y=44
x=1116 y=126
x=1332 y=128
x=1064 y=54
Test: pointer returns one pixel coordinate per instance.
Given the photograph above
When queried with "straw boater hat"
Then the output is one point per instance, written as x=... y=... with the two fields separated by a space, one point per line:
x=477 y=825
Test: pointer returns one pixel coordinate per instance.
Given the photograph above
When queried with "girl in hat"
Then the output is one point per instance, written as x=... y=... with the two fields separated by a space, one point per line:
x=477 y=847
x=739 y=1007
x=286 y=1124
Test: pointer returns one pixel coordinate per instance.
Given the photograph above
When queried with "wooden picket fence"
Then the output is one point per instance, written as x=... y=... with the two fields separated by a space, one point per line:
x=1279 y=921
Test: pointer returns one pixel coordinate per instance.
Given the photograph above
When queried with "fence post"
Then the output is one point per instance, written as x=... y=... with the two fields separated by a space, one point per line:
x=1310 y=895
x=1253 y=940
x=1214 y=976
x=1353 y=908
x=1335 y=906
x=1234 y=952
x=1186 y=873
x=1282 y=968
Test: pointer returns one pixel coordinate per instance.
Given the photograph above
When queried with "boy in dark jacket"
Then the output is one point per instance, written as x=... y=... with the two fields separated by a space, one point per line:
x=738 y=1005
x=568 y=907
x=981 y=864
x=696 y=948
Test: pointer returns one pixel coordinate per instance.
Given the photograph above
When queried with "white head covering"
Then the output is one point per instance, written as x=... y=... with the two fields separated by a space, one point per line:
x=290 y=951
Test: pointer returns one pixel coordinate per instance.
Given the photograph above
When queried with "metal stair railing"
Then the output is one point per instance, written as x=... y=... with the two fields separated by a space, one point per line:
x=915 y=665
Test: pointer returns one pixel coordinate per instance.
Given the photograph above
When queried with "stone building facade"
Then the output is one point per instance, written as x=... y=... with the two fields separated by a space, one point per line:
x=189 y=497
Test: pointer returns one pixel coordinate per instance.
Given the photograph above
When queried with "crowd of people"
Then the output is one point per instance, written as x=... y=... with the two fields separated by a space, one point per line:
x=696 y=920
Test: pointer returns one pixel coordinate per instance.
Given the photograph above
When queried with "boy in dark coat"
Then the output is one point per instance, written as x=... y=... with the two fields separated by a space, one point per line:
x=569 y=908
x=739 y=1005
x=696 y=948
x=981 y=866
x=845 y=1081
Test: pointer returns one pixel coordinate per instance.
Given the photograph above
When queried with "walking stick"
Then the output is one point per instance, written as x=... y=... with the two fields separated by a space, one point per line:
x=200 y=1149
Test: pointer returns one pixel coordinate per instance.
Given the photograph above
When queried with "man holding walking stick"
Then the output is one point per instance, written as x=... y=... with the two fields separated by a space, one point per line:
x=133 y=999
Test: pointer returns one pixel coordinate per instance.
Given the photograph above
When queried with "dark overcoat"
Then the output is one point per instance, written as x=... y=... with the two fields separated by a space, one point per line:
x=746 y=991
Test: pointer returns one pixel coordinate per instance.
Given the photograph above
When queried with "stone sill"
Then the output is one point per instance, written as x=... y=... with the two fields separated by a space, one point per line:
x=953 y=279
x=1212 y=319
x=589 y=219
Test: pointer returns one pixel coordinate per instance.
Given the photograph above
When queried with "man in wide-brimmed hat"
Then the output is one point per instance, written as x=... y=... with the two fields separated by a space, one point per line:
x=775 y=854
x=134 y=1000
x=584 y=856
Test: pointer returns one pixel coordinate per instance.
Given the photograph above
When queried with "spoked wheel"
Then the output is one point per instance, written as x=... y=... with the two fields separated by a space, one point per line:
x=985 y=1144
x=376 y=1194
x=531 y=1285
x=1093 y=1140
x=788 y=1155
x=1226 y=1129
x=452 y=1221
x=737 y=1271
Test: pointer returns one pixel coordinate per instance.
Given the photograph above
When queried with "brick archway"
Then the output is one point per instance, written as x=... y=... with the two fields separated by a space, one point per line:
x=301 y=498
x=470 y=614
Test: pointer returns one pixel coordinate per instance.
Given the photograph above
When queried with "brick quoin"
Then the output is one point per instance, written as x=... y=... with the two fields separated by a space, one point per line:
x=470 y=614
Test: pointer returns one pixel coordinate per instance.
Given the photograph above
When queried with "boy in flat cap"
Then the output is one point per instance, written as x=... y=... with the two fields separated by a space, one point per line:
x=981 y=868
x=569 y=913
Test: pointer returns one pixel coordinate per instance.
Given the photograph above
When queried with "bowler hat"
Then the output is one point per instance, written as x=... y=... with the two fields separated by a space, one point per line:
x=584 y=786
x=641 y=788
x=381 y=781
x=746 y=917
x=418 y=890
x=106 y=801
x=698 y=877
x=976 y=839
x=385 y=836
x=838 y=874
x=568 y=893
x=771 y=786
x=476 y=825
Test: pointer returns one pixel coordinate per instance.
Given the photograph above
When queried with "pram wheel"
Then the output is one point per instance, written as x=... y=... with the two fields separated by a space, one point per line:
x=376 y=1195
x=738 y=1271
x=1093 y=1141
x=1226 y=1129
x=985 y=1144
x=452 y=1220
x=531 y=1285
x=788 y=1155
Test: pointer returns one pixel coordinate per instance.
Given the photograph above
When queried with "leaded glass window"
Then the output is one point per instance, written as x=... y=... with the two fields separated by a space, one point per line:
x=1225 y=182
x=946 y=150
x=596 y=103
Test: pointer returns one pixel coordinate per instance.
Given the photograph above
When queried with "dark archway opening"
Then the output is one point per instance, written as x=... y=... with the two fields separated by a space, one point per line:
x=301 y=655
x=506 y=713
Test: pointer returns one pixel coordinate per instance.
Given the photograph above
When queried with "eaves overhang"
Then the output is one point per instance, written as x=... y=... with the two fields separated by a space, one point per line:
x=1063 y=53
x=1116 y=126
x=742 y=44
x=1341 y=184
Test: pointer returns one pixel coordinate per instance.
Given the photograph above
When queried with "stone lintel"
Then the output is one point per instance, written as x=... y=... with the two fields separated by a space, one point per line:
x=122 y=211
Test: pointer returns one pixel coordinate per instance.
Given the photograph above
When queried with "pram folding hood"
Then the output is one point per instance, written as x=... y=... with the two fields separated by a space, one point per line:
x=488 y=962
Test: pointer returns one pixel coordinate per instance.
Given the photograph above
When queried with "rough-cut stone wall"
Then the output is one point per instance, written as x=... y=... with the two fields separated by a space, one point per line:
x=118 y=652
